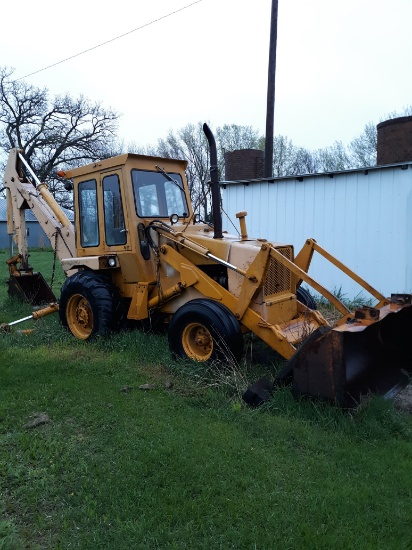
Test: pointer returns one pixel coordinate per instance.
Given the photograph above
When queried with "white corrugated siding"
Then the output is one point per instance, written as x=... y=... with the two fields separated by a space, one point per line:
x=364 y=219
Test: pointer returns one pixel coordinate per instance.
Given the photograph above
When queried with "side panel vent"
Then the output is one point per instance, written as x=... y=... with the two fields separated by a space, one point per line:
x=278 y=277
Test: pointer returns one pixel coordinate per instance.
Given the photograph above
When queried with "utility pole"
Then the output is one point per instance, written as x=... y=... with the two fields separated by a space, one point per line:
x=270 y=109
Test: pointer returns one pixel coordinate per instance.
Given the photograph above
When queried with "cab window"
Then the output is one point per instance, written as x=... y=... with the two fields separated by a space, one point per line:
x=114 y=226
x=89 y=220
x=156 y=196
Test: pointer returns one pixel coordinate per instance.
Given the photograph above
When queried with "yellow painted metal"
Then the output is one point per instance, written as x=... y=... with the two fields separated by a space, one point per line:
x=43 y=312
x=201 y=250
x=133 y=268
x=191 y=275
x=132 y=271
x=164 y=296
x=79 y=316
x=252 y=281
x=188 y=276
x=143 y=162
x=203 y=236
x=94 y=263
x=279 y=310
x=23 y=194
x=314 y=284
x=138 y=306
x=304 y=257
x=10 y=225
x=12 y=264
x=50 y=200
x=242 y=222
x=184 y=240
x=275 y=335
x=197 y=342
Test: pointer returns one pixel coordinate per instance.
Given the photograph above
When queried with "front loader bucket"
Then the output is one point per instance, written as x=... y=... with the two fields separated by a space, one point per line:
x=347 y=362
x=30 y=288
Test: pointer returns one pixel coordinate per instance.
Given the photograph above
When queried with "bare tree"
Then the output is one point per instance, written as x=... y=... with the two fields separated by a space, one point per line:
x=284 y=157
x=58 y=132
x=333 y=158
x=406 y=111
x=362 y=149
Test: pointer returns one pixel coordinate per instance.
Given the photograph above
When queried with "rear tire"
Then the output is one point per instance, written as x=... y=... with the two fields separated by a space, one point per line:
x=86 y=305
x=205 y=330
x=305 y=298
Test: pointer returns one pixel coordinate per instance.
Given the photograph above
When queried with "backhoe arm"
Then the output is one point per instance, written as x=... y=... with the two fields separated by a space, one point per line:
x=24 y=191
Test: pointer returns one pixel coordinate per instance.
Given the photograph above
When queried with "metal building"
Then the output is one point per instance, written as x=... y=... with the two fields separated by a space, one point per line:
x=36 y=236
x=363 y=217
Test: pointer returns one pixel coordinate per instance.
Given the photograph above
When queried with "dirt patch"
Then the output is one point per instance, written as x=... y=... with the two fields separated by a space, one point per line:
x=37 y=419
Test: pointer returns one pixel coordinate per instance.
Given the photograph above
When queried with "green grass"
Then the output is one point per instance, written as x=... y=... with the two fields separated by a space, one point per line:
x=188 y=467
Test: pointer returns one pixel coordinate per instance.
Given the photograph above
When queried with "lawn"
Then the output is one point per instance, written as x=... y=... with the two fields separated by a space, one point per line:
x=184 y=464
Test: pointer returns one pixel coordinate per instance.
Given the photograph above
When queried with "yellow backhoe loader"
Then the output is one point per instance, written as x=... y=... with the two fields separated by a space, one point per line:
x=137 y=251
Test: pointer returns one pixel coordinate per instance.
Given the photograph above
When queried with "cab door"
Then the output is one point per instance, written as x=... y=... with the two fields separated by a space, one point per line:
x=114 y=233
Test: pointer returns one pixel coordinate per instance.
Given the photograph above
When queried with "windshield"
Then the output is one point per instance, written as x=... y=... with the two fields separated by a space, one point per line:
x=157 y=197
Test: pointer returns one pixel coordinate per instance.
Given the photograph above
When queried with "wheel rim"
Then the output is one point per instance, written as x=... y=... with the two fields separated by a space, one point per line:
x=79 y=316
x=197 y=342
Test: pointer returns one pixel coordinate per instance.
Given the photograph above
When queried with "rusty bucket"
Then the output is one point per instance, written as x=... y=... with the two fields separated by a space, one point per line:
x=345 y=363
x=30 y=288
x=27 y=285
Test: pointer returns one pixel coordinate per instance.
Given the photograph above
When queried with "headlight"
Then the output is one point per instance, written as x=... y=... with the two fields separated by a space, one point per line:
x=112 y=262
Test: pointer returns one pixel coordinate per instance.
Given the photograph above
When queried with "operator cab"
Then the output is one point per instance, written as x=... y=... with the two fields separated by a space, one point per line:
x=114 y=197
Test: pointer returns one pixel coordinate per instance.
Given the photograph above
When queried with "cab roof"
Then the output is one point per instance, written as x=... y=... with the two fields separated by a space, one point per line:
x=136 y=160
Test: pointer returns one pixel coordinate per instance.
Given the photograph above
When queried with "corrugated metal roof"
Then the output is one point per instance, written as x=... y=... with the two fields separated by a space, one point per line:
x=301 y=177
x=29 y=214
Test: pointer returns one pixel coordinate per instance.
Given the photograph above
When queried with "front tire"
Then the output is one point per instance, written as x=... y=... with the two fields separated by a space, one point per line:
x=86 y=305
x=205 y=330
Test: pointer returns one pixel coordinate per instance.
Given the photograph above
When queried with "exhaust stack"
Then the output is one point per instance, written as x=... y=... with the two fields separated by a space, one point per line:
x=214 y=181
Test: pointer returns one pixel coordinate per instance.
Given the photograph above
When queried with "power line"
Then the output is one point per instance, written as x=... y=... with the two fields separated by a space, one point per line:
x=111 y=40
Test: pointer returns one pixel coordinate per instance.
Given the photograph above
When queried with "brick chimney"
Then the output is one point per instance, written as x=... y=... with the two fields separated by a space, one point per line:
x=395 y=140
x=244 y=164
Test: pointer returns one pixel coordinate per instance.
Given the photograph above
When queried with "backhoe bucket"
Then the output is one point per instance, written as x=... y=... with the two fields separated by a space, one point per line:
x=30 y=288
x=352 y=360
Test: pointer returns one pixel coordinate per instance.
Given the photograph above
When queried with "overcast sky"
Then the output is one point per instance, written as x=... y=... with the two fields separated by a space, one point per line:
x=340 y=63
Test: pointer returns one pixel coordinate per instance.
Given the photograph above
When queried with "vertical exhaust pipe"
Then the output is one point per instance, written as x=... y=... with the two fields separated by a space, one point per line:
x=214 y=181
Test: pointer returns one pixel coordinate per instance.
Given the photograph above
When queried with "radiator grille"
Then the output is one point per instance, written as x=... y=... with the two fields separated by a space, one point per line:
x=278 y=277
